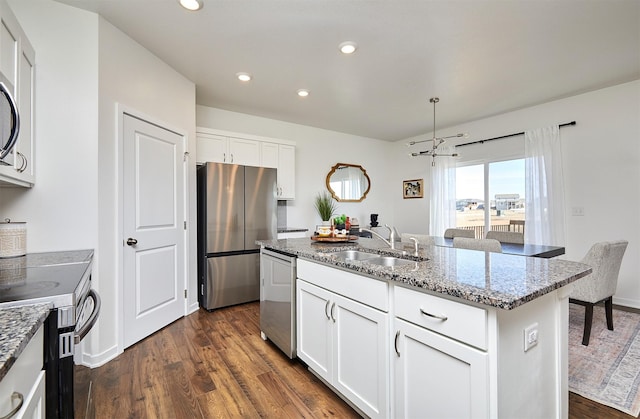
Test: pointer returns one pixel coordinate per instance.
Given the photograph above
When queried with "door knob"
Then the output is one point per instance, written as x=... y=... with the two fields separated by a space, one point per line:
x=131 y=241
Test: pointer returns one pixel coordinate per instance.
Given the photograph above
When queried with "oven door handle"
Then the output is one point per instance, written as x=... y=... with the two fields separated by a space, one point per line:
x=86 y=328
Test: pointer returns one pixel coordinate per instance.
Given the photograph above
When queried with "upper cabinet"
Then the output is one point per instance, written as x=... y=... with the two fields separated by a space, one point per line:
x=250 y=150
x=17 y=65
x=224 y=149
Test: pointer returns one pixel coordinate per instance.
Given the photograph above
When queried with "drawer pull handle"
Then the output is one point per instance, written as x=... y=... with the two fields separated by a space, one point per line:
x=326 y=308
x=333 y=318
x=441 y=317
x=15 y=410
x=395 y=343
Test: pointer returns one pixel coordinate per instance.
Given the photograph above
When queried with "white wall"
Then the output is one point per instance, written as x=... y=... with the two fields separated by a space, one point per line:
x=317 y=150
x=61 y=209
x=84 y=67
x=132 y=77
x=601 y=156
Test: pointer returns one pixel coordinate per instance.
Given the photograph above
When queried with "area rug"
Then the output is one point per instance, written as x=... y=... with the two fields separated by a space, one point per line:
x=608 y=370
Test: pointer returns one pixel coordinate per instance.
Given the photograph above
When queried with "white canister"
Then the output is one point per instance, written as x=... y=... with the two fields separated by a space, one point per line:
x=13 y=239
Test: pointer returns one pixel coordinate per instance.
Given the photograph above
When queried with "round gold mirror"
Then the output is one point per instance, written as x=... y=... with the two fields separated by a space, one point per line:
x=348 y=182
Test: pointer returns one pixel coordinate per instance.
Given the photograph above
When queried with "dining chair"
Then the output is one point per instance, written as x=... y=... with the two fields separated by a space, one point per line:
x=450 y=233
x=488 y=245
x=506 y=236
x=599 y=286
x=422 y=238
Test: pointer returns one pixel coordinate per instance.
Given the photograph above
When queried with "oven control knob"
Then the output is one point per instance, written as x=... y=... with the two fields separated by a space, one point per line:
x=131 y=241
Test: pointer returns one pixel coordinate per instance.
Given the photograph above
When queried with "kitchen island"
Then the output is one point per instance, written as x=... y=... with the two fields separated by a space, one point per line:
x=452 y=332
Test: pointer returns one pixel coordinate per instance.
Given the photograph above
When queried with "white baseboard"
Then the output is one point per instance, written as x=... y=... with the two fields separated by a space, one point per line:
x=94 y=361
x=193 y=308
x=626 y=302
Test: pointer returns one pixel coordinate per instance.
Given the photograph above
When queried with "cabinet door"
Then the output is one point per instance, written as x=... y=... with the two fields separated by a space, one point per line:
x=314 y=338
x=211 y=147
x=286 y=172
x=269 y=155
x=9 y=36
x=25 y=149
x=245 y=152
x=438 y=377
x=361 y=355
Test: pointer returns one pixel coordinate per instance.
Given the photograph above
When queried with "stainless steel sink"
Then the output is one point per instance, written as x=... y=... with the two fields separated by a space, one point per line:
x=356 y=255
x=390 y=261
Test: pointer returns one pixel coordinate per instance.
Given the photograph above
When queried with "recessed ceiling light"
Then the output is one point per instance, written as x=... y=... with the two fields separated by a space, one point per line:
x=191 y=4
x=303 y=92
x=348 y=47
x=243 y=76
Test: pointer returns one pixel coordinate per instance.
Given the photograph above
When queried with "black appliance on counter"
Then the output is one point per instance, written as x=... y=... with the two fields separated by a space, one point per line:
x=62 y=279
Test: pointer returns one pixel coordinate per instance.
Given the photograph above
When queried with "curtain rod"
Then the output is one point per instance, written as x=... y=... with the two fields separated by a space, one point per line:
x=508 y=135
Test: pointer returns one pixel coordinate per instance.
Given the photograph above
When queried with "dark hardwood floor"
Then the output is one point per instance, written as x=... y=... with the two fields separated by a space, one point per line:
x=215 y=365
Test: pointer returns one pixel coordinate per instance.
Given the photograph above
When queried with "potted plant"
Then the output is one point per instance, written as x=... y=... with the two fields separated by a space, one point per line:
x=340 y=222
x=325 y=206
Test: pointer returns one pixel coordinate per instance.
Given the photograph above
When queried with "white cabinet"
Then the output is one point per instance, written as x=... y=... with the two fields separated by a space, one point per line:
x=269 y=154
x=437 y=371
x=343 y=340
x=283 y=158
x=246 y=152
x=17 y=59
x=286 y=172
x=438 y=377
x=445 y=357
x=25 y=378
x=236 y=148
x=223 y=149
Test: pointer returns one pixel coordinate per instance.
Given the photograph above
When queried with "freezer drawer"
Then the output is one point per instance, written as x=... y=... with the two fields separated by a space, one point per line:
x=231 y=280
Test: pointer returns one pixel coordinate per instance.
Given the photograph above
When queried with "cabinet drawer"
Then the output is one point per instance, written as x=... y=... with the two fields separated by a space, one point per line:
x=369 y=291
x=463 y=322
x=22 y=375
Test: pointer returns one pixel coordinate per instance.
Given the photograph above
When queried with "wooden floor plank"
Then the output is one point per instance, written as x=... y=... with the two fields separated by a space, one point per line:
x=215 y=365
x=184 y=400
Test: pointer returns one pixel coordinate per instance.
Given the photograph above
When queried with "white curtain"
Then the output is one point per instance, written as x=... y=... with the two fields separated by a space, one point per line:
x=544 y=187
x=442 y=210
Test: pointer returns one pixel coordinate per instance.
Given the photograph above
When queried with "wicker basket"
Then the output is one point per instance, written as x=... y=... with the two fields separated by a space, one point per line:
x=13 y=239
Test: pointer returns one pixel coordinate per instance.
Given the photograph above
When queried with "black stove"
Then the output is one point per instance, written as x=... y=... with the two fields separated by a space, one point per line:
x=62 y=279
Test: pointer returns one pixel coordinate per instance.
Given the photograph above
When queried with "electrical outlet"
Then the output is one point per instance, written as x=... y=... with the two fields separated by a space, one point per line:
x=577 y=211
x=530 y=336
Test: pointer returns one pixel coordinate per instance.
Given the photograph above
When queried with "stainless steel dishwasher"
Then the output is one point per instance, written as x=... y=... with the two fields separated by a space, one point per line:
x=278 y=300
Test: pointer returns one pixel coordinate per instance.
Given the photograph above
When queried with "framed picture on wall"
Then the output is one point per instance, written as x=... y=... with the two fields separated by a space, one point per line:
x=413 y=188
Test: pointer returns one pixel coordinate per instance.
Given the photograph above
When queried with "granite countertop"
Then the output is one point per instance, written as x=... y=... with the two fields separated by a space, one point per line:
x=291 y=229
x=18 y=325
x=36 y=260
x=493 y=279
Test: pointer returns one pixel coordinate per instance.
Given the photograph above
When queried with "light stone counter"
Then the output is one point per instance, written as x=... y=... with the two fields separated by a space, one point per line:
x=493 y=279
x=17 y=326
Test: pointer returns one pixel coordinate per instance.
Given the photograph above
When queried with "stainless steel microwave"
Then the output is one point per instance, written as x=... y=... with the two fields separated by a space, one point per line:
x=9 y=123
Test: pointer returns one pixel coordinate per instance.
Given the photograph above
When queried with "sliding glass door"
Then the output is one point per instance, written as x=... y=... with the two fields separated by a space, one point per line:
x=490 y=196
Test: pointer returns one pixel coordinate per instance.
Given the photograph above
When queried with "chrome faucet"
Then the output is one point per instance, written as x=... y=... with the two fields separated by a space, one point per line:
x=392 y=236
x=415 y=245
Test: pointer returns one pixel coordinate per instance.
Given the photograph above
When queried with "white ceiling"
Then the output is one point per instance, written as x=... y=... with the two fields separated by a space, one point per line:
x=480 y=57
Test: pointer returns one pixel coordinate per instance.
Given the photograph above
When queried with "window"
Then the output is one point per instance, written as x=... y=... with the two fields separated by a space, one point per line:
x=490 y=196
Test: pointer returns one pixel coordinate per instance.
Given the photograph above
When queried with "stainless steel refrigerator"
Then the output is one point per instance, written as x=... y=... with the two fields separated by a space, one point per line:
x=236 y=206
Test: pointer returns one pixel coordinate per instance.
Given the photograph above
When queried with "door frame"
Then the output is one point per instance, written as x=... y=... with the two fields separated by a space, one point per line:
x=121 y=110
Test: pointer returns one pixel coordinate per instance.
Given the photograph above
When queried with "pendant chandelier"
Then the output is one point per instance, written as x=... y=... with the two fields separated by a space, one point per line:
x=435 y=141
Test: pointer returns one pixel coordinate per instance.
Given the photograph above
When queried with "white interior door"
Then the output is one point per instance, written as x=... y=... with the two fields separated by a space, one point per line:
x=153 y=257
